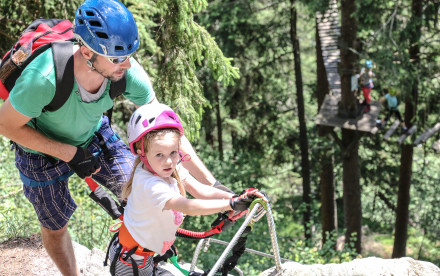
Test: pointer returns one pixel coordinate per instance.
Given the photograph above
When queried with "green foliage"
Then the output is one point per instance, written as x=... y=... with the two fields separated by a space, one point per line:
x=184 y=45
x=172 y=47
x=17 y=217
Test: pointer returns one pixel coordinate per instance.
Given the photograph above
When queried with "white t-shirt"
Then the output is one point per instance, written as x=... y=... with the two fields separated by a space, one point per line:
x=151 y=226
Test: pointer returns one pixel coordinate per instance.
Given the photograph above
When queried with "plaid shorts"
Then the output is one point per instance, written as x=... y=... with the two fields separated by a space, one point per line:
x=45 y=182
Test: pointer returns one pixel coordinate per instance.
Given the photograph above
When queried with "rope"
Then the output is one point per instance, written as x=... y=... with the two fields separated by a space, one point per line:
x=273 y=237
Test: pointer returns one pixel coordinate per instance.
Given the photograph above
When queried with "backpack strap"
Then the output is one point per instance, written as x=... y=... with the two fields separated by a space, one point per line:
x=63 y=62
x=116 y=89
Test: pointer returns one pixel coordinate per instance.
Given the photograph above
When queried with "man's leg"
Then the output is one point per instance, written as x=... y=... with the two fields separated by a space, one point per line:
x=59 y=247
x=45 y=185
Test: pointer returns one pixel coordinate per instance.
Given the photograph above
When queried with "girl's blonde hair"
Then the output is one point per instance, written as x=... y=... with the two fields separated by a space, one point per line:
x=148 y=138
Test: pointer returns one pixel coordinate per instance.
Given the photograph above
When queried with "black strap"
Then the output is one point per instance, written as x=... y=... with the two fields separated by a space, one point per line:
x=116 y=89
x=115 y=259
x=107 y=154
x=168 y=254
x=63 y=62
x=128 y=255
x=134 y=265
x=109 y=245
x=237 y=251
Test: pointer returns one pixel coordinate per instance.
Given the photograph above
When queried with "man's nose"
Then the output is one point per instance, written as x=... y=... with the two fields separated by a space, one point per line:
x=126 y=64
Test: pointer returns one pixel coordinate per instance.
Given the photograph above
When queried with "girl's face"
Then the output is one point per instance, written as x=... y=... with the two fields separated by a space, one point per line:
x=163 y=153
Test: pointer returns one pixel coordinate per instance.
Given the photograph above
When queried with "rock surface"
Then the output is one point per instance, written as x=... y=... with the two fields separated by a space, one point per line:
x=26 y=256
x=371 y=266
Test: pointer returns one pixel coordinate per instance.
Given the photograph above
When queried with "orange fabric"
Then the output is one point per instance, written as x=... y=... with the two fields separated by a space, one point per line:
x=128 y=242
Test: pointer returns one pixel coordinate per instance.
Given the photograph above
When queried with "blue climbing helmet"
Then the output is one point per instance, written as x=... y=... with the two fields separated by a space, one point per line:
x=107 y=27
x=368 y=63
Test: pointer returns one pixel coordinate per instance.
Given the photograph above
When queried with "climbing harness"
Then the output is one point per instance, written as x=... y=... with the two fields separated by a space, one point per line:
x=258 y=208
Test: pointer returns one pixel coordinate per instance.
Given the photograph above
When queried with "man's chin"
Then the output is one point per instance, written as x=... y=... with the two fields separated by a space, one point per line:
x=116 y=76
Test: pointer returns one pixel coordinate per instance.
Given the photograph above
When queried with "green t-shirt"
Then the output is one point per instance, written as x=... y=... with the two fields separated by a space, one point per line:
x=76 y=121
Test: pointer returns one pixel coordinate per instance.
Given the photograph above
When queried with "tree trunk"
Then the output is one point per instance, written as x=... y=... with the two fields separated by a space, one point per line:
x=218 y=120
x=233 y=114
x=403 y=199
x=208 y=123
x=348 y=57
x=352 y=189
x=328 y=202
x=403 y=196
x=303 y=140
x=326 y=177
x=350 y=138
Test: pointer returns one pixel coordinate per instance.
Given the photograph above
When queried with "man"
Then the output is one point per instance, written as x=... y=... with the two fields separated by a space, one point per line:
x=51 y=146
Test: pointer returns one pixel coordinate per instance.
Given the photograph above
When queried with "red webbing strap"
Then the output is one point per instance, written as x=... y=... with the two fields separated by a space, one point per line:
x=4 y=94
x=92 y=184
x=237 y=216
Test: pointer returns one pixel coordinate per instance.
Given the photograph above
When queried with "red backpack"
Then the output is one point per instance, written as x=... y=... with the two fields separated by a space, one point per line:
x=35 y=39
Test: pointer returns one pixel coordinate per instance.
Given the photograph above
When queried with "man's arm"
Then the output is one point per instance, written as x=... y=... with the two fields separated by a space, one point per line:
x=13 y=126
x=200 y=191
x=195 y=166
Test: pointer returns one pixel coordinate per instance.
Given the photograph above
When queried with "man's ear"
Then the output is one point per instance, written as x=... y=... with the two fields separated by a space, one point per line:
x=86 y=52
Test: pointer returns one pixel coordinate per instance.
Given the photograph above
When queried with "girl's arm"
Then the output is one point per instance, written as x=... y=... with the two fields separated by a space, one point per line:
x=194 y=207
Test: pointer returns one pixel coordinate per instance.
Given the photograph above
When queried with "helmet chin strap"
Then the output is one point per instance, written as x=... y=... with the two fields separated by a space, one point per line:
x=147 y=164
x=144 y=159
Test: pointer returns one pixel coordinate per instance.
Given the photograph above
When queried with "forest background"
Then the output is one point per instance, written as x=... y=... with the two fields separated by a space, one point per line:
x=246 y=79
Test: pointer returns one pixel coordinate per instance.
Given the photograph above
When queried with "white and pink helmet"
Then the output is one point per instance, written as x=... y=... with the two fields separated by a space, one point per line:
x=150 y=117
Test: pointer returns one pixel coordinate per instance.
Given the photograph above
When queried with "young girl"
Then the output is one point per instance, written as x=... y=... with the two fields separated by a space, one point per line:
x=155 y=194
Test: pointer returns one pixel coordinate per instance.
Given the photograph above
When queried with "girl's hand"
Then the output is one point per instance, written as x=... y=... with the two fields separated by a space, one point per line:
x=244 y=200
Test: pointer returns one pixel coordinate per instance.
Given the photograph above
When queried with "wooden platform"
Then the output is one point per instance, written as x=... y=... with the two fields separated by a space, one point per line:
x=366 y=122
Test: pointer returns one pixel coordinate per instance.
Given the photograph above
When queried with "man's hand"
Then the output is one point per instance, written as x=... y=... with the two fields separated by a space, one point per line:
x=244 y=200
x=84 y=163
x=222 y=187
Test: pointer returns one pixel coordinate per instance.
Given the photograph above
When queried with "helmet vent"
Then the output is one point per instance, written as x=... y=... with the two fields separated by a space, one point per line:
x=80 y=22
x=151 y=120
x=90 y=13
x=137 y=119
x=130 y=46
x=119 y=48
x=102 y=35
x=95 y=23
